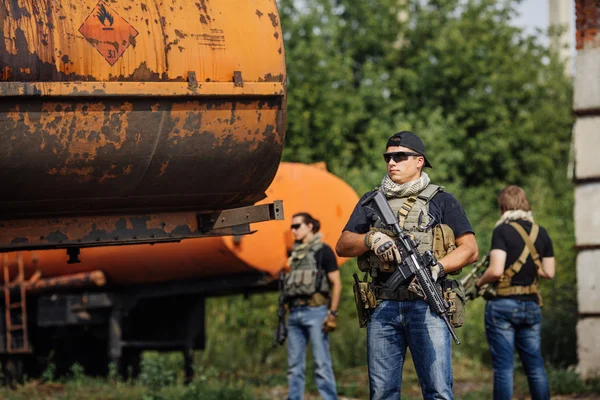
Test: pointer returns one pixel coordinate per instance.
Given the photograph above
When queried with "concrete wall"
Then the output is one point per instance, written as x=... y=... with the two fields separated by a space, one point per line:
x=586 y=105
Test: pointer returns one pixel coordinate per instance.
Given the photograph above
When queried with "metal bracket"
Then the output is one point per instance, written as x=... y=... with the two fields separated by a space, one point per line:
x=193 y=82
x=238 y=81
x=240 y=216
x=76 y=233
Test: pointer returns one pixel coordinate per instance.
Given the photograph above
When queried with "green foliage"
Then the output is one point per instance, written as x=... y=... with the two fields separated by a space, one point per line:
x=158 y=372
x=567 y=381
x=77 y=374
x=49 y=374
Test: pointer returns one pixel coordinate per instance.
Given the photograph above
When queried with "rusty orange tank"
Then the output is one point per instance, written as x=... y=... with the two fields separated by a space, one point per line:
x=302 y=187
x=139 y=106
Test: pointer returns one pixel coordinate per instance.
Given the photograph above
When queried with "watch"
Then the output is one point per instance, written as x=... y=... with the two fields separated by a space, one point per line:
x=335 y=313
x=442 y=271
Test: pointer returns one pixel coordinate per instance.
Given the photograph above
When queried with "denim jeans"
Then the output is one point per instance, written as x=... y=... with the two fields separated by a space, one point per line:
x=304 y=324
x=394 y=325
x=514 y=323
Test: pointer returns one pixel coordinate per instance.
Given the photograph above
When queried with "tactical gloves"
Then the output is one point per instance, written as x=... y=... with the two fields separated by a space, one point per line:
x=383 y=246
x=330 y=323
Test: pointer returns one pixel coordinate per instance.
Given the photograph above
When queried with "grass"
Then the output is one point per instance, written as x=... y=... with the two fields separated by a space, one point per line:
x=162 y=379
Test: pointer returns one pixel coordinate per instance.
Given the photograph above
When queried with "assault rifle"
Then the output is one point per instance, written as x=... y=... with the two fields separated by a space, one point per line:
x=412 y=263
x=281 y=331
x=469 y=280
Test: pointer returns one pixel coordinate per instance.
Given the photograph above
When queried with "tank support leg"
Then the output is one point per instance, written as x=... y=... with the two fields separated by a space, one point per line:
x=115 y=332
x=188 y=363
x=195 y=336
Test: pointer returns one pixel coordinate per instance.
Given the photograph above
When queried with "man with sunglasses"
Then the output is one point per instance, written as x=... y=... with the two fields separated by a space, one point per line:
x=402 y=318
x=312 y=291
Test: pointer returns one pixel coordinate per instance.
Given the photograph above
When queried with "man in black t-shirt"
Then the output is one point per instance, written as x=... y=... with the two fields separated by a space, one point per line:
x=312 y=290
x=402 y=318
x=521 y=251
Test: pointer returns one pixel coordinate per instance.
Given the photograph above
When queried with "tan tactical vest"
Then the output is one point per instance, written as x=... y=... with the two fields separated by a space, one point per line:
x=408 y=210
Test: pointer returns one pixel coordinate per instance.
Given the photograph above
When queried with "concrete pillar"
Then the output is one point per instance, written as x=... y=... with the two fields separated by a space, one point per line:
x=559 y=15
x=587 y=178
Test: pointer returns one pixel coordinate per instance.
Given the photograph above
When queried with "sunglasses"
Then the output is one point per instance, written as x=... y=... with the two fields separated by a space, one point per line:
x=398 y=156
x=296 y=226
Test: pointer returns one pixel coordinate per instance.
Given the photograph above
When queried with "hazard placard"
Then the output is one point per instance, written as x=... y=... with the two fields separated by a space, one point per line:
x=108 y=32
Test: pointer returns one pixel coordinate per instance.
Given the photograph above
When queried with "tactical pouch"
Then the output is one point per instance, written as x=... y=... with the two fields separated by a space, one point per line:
x=299 y=282
x=444 y=243
x=364 y=297
x=454 y=294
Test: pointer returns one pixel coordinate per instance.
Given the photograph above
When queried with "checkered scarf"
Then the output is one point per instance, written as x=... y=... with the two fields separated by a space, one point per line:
x=392 y=189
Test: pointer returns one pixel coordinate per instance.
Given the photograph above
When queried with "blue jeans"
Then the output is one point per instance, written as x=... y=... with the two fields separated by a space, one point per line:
x=306 y=323
x=394 y=325
x=510 y=323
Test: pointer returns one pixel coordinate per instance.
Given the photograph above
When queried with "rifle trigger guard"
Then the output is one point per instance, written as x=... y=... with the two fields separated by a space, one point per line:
x=420 y=221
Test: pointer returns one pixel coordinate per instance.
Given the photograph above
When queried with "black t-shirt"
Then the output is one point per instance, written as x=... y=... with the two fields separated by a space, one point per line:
x=506 y=238
x=326 y=259
x=443 y=207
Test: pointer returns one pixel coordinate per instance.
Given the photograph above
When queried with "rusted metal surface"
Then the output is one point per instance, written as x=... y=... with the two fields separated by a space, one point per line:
x=302 y=188
x=587 y=13
x=152 y=122
x=74 y=281
x=140 y=89
x=31 y=234
x=91 y=40
x=37 y=285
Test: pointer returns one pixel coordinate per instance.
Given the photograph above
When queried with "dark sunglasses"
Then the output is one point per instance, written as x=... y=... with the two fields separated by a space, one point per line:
x=296 y=226
x=398 y=156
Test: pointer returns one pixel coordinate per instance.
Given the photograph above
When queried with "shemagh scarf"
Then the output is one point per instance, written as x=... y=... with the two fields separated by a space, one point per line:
x=513 y=215
x=300 y=250
x=392 y=189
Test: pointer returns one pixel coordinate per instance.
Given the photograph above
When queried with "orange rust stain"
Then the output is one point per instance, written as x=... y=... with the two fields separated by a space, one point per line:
x=74 y=129
x=6 y=73
x=221 y=121
x=163 y=167
x=84 y=174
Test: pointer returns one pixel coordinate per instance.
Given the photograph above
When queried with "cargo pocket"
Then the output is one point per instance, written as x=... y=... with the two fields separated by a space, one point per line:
x=454 y=294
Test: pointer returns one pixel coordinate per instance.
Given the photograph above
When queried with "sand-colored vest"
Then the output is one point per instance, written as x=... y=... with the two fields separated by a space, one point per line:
x=413 y=215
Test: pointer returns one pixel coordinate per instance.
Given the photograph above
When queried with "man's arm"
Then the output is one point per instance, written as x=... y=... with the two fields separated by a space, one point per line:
x=466 y=252
x=548 y=268
x=336 y=288
x=351 y=244
x=496 y=268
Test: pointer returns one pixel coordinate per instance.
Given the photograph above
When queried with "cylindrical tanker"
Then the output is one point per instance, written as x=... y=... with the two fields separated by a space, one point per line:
x=110 y=107
x=303 y=188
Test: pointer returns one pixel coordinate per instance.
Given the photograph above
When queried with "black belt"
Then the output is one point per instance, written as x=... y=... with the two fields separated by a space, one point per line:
x=400 y=294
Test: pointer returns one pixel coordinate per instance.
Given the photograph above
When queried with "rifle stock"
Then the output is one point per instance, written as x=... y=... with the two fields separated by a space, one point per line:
x=281 y=331
x=469 y=280
x=412 y=262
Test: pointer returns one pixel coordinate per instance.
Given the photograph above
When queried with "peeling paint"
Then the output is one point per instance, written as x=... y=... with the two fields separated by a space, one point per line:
x=80 y=136
x=274 y=20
